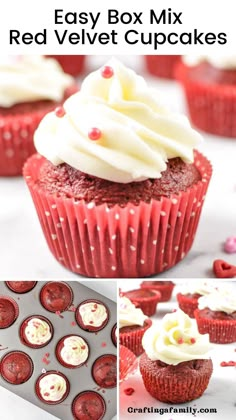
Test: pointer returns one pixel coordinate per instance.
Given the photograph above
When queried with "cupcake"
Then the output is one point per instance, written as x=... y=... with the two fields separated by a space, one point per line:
x=165 y=288
x=31 y=87
x=71 y=64
x=104 y=371
x=9 y=311
x=56 y=296
x=132 y=325
x=175 y=367
x=114 y=335
x=36 y=331
x=216 y=315
x=88 y=405
x=92 y=315
x=162 y=65
x=21 y=286
x=52 y=387
x=118 y=188
x=16 y=367
x=189 y=295
x=145 y=299
x=128 y=362
x=209 y=83
x=72 y=351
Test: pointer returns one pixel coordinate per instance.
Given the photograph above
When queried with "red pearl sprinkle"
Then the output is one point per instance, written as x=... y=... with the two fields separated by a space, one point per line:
x=94 y=133
x=129 y=391
x=107 y=72
x=193 y=340
x=180 y=340
x=60 y=112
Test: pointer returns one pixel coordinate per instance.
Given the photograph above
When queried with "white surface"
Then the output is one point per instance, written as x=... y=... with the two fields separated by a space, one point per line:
x=220 y=394
x=24 y=253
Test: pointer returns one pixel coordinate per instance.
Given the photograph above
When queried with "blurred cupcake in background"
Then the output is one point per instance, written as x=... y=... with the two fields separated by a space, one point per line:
x=190 y=293
x=71 y=64
x=164 y=287
x=162 y=66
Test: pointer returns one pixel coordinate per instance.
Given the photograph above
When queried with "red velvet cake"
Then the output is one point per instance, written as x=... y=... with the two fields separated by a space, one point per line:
x=145 y=299
x=52 y=387
x=165 y=288
x=16 y=367
x=88 y=405
x=162 y=65
x=72 y=351
x=220 y=326
x=92 y=315
x=21 y=286
x=188 y=303
x=114 y=335
x=36 y=331
x=56 y=296
x=71 y=64
x=9 y=311
x=104 y=371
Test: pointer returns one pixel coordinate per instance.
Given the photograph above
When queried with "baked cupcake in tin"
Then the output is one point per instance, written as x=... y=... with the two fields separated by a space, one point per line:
x=36 y=331
x=88 y=405
x=9 y=311
x=52 y=387
x=21 y=286
x=56 y=296
x=92 y=315
x=120 y=188
x=16 y=367
x=72 y=351
x=104 y=371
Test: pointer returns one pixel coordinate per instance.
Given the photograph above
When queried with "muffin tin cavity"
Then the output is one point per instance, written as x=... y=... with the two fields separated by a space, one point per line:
x=56 y=296
x=36 y=331
x=92 y=315
x=104 y=371
x=21 y=286
x=16 y=367
x=9 y=311
x=72 y=351
x=88 y=405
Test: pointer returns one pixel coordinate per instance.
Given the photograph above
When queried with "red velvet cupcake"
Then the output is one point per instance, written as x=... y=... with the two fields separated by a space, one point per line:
x=72 y=351
x=128 y=362
x=9 y=311
x=52 y=387
x=145 y=299
x=216 y=315
x=162 y=65
x=92 y=315
x=104 y=371
x=164 y=287
x=106 y=212
x=209 y=84
x=190 y=293
x=21 y=286
x=16 y=367
x=36 y=331
x=32 y=86
x=132 y=325
x=88 y=405
x=175 y=368
x=114 y=335
x=56 y=296
x=71 y=64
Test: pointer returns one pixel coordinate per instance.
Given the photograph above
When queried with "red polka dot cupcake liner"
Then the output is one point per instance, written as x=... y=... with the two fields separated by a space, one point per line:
x=164 y=287
x=148 y=304
x=71 y=64
x=175 y=384
x=187 y=304
x=128 y=362
x=132 y=337
x=220 y=331
x=134 y=241
x=212 y=107
x=162 y=65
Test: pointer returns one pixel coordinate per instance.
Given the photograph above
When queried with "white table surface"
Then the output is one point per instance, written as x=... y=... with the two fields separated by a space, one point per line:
x=220 y=393
x=23 y=250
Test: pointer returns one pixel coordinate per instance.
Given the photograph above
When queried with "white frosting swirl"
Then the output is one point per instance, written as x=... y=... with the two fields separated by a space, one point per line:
x=220 y=300
x=93 y=314
x=74 y=351
x=138 y=135
x=28 y=78
x=37 y=331
x=201 y=287
x=175 y=340
x=129 y=314
x=52 y=387
x=226 y=62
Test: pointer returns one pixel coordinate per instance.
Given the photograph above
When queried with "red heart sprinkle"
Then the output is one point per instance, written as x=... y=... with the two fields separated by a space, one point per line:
x=222 y=269
x=129 y=391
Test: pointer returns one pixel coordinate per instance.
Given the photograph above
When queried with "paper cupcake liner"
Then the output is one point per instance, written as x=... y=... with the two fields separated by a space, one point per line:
x=212 y=108
x=174 y=388
x=162 y=65
x=71 y=64
x=23 y=337
x=17 y=381
x=164 y=289
x=134 y=241
x=8 y=319
x=188 y=305
x=60 y=346
x=95 y=400
x=133 y=339
x=220 y=331
x=37 y=388
x=128 y=362
x=147 y=304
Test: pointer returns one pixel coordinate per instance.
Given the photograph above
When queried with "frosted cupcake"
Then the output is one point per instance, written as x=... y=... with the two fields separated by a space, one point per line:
x=36 y=331
x=30 y=86
x=92 y=315
x=118 y=188
x=132 y=325
x=52 y=387
x=190 y=294
x=72 y=351
x=175 y=366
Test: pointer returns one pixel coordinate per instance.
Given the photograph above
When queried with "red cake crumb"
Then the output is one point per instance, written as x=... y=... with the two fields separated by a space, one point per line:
x=129 y=391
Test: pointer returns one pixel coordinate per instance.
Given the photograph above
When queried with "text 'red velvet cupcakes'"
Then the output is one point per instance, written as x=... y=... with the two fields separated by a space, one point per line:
x=92 y=315
x=72 y=351
x=104 y=371
x=52 y=387
x=216 y=315
x=36 y=331
x=88 y=405
x=145 y=299
x=175 y=367
x=16 y=367
x=189 y=295
x=209 y=83
x=165 y=288
x=132 y=325
x=71 y=64
x=120 y=190
x=21 y=286
x=162 y=65
x=56 y=296
x=31 y=87
x=9 y=311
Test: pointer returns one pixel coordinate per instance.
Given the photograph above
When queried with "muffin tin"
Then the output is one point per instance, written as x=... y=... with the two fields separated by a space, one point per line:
x=44 y=359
